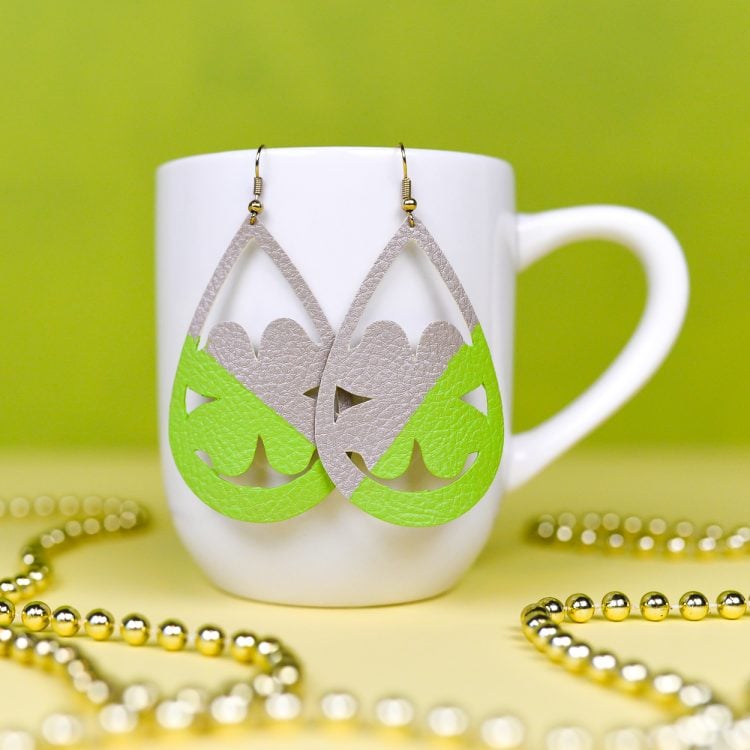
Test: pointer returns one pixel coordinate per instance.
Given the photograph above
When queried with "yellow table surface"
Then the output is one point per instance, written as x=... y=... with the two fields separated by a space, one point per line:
x=463 y=647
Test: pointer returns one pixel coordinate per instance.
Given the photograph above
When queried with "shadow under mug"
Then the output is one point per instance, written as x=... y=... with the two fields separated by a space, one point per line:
x=333 y=210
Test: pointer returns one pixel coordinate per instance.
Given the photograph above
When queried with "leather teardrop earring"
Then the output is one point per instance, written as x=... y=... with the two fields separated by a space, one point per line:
x=380 y=399
x=252 y=397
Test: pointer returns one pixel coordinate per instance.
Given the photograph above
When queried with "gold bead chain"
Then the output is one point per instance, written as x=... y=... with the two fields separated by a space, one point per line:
x=122 y=709
x=703 y=720
x=654 y=536
x=697 y=717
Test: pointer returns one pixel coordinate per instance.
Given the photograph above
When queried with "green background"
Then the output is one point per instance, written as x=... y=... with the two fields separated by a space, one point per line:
x=641 y=103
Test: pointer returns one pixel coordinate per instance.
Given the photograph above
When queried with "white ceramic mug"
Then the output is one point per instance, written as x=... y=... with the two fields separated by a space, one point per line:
x=333 y=210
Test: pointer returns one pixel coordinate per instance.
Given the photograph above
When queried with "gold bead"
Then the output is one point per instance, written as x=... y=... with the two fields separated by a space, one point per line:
x=409 y=204
x=244 y=646
x=44 y=651
x=543 y=635
x=503 y=731
x=693 y=606
x=339 y=707
x=554 y=607
x=557 y=645
x=666 y=686
x=579 y=607
x=615 y=606
x=633 y=676
x=654 y=606
x=7 y=612
x=97 y=692
x=264 y=684
x=566 y=737
x=283 y=707
x=79 y=666
x=9 y=590
x=611 y=521
x=117 y=719
x=209 y=640
x=35 y=616
x=731 y=605
x=448 y=722
x=17 y=738
x=228 y=710
x=66 y=655
x=545 y=528
x=172 y=635
x=255 y=206
x=99 y=624
x=288 y=672
x=632 y=524
x=695 y=694
x=31 y=554
x=534 y=621
x=22 y=647
x=24 y=585
x=60 y=730
x=566 y=518
x=66 y=621
x=6 y=640
x=577 y=656
x=269 y=651
x=140 y=696
x=174 y=715
x=534 y=608
x=19 y=507
x=39 y=576
x=395 y=712
x=602 y=666
x=135 y=630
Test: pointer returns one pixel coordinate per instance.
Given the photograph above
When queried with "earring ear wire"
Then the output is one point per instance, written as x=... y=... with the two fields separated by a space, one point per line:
x=408 y=203
x=255 y=207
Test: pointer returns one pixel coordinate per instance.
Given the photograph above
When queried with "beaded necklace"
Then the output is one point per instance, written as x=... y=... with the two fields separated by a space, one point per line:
x=273 y=692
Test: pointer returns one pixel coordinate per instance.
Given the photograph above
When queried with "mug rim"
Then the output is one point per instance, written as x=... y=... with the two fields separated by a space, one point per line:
x=181 y=160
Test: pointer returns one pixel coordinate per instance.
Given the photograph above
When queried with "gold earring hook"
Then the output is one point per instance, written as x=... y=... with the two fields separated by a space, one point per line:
x=255 y=206
x=408 y=203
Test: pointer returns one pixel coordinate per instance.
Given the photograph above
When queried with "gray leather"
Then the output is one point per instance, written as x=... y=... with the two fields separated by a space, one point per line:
x=246 y=234
x=389 y=376
x=288 y=363
x=383 y=368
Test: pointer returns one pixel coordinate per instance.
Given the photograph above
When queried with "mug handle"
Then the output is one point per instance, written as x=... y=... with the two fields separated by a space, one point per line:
x=668 y=290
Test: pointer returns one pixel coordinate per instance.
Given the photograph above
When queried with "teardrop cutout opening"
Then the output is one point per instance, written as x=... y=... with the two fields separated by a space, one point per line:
x=412 y=294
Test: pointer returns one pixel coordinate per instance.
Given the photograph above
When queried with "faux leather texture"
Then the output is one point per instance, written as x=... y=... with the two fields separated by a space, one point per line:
x=448 y=430
x=405 y=397
x=395 y=379
x=377 y=401
x=228 y=429
x=254 y=398
x=287 y=366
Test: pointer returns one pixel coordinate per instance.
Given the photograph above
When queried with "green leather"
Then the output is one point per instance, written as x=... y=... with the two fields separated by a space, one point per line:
x=447 y=430
x=227 y=429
